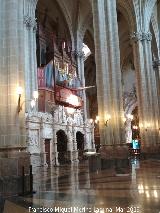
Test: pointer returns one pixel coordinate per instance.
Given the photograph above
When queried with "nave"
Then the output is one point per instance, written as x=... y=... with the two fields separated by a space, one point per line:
x=74 y=188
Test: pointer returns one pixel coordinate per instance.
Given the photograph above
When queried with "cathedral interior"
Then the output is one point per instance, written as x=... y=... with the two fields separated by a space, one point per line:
x=80 y=110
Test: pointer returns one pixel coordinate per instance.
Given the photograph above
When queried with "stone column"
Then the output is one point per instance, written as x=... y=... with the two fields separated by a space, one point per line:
x=108 y=73
x=70 y=142
x=51 y=152
x=43 y=153
x=156 y=66
x=56 y=163
x=92 y=137
x=30 y=27
x=75 y=151
x=146 y=89
x=80 y=62
x=12 y=125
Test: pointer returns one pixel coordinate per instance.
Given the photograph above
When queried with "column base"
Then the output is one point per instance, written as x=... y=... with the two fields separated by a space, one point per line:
x=114 y=156
x=75 y=156
x=43 y=159
x=12 y=161
x=54 y=161
x=35 y=159
x=150 y=151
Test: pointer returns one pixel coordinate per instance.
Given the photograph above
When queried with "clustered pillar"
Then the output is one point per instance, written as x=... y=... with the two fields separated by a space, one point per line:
x=12 y=125
x=30 y=27
x=147 y=93
x=108 y=73
x=80 y=63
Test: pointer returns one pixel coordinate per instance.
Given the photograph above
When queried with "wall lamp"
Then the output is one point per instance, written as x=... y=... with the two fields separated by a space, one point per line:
x=96 y=121
x=19 y=92
x=135 y=127
x=147 y=126
x=108 y=117
x=129 y=116
x=32 y=102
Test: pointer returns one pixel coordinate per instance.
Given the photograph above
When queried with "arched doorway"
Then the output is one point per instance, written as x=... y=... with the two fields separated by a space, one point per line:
x=80 y=144
x=62 y=146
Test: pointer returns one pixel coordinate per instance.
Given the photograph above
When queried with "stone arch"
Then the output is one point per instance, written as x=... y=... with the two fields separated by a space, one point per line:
x=84 y=26
x=148 y=13
x=128 y=13
x=68 y=20
x=155 y=34
x=65 y=13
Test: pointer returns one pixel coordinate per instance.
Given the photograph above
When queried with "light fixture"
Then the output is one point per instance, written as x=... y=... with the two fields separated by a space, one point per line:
x=147 y=126
x=135 y=127
x=33 y=103
x=70 y=110
x=96 y=120
x=91 y=120
x=129 y=116
x=124 y=119
x=73 y=100
x=19 y=92
x=140 y=125
x=35 y=95
x=107 y=118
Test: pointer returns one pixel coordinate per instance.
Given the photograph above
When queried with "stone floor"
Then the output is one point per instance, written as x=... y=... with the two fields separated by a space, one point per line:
x=76 y=189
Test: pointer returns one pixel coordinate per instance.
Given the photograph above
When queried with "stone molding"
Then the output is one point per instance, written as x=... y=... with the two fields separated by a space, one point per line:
x=156 y=63
x=141 y=36
x=41 y=126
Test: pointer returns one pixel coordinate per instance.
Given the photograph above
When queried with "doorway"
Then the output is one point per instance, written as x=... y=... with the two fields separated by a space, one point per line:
x=80 y=144
x=80 y=140
x=62 y=146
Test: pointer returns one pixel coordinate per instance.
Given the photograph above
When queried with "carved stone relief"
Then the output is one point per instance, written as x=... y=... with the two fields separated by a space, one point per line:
x=49 y=124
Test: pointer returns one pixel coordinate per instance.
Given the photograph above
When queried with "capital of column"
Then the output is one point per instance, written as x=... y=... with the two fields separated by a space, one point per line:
x=80 y=54
x=141 y=36
x=30 y=23
x=156 y=63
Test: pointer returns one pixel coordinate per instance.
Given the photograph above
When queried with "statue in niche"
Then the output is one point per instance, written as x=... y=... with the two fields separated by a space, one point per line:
x=128 y=131
x=70 y=120
x=78 y=118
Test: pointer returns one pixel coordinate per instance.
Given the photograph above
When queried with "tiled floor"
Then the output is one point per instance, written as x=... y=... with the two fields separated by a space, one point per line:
x=75 y=189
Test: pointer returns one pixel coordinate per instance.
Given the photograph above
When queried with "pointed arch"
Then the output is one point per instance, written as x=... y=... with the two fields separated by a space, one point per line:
x=148 y=13
x=66 y=15
x=126 y=9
